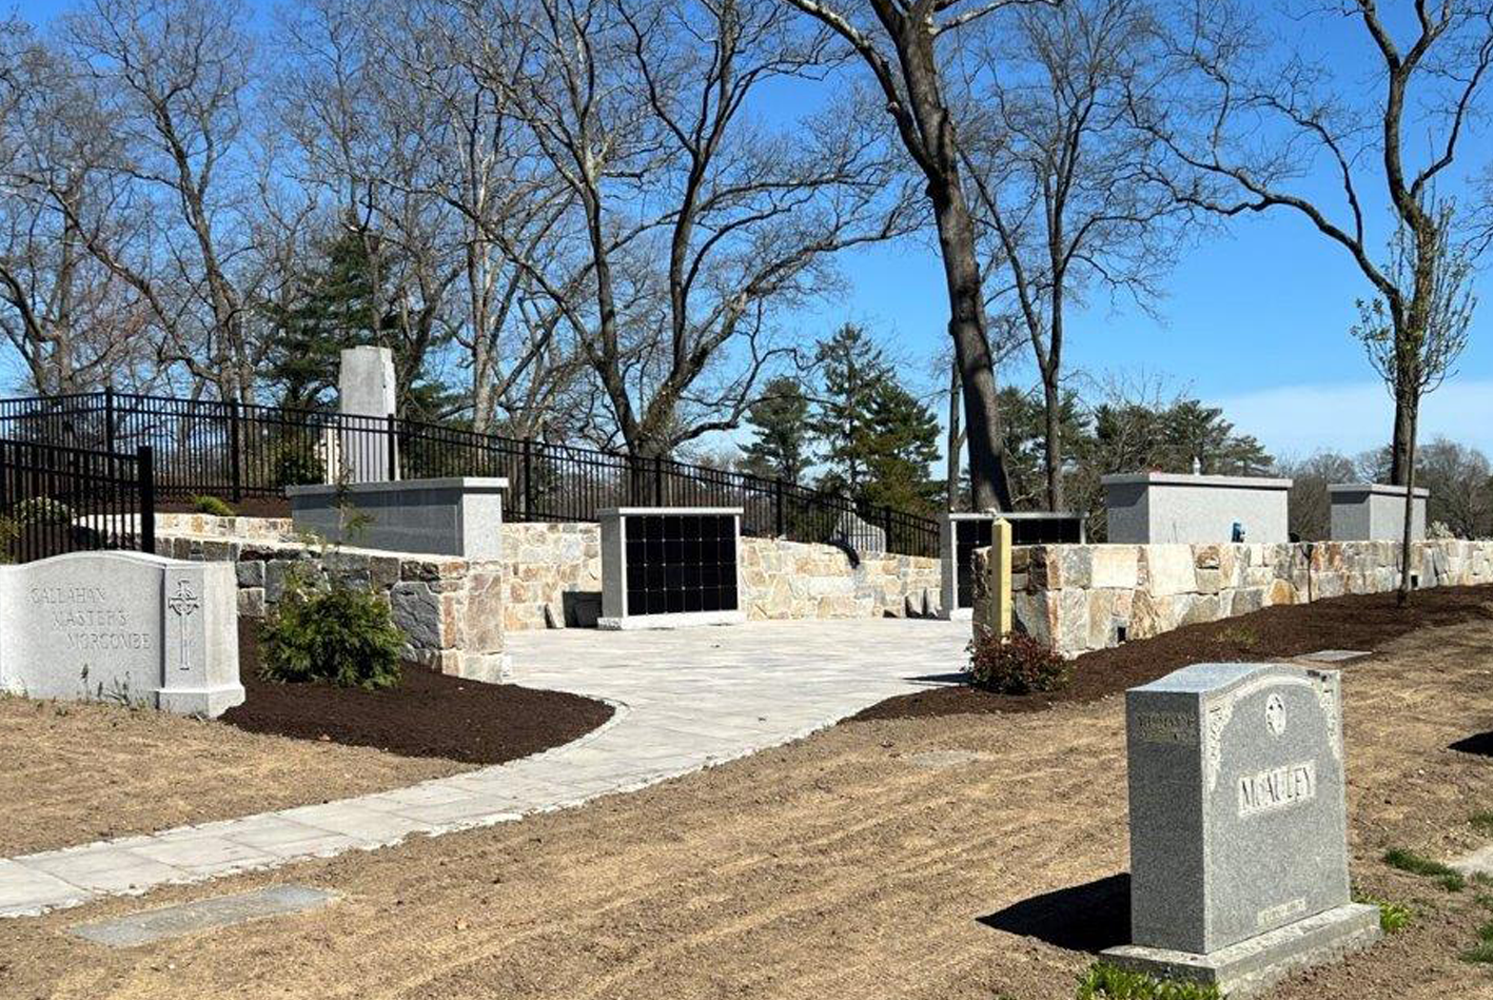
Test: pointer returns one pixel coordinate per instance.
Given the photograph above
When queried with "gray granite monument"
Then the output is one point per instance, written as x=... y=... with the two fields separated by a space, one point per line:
x=124 y=627
x=1238 y=826
x=1163 y=508
x=366 y=398
x=1370 y=512
x=458 y=516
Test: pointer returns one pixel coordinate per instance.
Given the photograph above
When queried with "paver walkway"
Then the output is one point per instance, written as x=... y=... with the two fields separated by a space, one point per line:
x=686 y=699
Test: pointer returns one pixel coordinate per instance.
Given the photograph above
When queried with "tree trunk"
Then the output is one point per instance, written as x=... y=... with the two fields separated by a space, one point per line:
x=1402 y=444
x=955 y=441
x=1053 y=440
x=1410 y=420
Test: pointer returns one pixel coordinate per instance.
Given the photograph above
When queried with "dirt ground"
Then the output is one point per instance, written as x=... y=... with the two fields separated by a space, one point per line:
x=848 y=865
x=77 y=772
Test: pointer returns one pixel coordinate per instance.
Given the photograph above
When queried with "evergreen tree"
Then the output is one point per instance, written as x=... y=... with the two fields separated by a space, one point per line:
x=853 y=369
x=780 y=419
x=902 y=444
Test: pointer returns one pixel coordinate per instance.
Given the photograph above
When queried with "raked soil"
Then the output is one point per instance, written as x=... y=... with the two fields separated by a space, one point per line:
x=867 y=861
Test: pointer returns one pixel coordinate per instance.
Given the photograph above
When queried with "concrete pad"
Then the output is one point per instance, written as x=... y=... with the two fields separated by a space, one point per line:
x=1335 y=655
x=1254 y=965
x=102 y=870
x=1479 y=862
x=192 y=918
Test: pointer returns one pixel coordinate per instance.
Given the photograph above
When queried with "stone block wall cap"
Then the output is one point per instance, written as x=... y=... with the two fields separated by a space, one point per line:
x=1187 y=479
x=1013 y=515
x=1378 y=489
x=1210 y=677
x=469 y=484
x=630 y=511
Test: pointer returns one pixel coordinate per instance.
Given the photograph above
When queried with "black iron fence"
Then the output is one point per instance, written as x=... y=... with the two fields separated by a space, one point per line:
x=56 y=499
x=235 y=450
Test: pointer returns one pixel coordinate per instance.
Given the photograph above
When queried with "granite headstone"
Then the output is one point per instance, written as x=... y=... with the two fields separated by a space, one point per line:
x=1238 y=825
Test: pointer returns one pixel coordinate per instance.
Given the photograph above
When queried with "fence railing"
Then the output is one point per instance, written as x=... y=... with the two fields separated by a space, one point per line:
x=235 y=450
x=56 y=499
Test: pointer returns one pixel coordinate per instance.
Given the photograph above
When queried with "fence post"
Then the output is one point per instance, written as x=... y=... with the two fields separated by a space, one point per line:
x=146 y=468
x=529 y=477
x=658 y=482
x=393 y=448
x=109 y=418
x=779 y=521
x=233 y=452
x=886 y=526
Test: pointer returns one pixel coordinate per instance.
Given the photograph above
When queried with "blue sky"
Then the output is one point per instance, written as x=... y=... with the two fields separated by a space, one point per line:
x=1255 y=320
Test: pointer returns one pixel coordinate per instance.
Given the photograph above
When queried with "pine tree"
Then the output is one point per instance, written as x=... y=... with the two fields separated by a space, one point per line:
x=902 y=444
x=780 y=419
x=853 y=370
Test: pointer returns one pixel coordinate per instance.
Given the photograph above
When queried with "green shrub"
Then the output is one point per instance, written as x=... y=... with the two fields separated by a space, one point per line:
x=207 y=504
x=335 y=633
x=41 y=510
x=296 y=464
x=9 y=532
x=1408 y=861
x=1018 y=665
x=1107 y=982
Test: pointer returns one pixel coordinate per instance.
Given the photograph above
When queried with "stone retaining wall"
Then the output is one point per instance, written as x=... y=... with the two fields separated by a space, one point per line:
x=451 y=610
x=548 y=568
x=783 y=580
x=1079 y=596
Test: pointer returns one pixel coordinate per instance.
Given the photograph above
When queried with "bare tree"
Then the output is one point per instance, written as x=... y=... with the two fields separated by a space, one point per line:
x=173 y=76
x=1248 y=117
x=698 y=223
x=1060 y=175
x=1414 y=359
x=911 y=79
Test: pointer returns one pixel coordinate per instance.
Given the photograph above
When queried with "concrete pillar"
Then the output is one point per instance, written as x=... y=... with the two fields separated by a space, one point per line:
x=365 y=398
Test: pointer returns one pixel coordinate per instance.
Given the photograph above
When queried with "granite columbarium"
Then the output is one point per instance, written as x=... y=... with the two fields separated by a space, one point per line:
x=1238 y=826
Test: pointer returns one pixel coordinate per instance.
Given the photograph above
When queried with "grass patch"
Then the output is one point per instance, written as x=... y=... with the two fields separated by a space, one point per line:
x=1482 y=821
x=1239 y=635
x=1479 y=954
x=1102 y=981
x=1408 y=861
x=1393 y=917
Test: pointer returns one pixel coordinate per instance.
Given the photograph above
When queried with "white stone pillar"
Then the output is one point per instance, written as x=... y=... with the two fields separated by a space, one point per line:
x=365 y=398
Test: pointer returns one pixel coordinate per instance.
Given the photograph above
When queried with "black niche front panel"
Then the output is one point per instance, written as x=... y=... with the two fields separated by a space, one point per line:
x=680 y=563
x=968 y=536
x=1057 y=529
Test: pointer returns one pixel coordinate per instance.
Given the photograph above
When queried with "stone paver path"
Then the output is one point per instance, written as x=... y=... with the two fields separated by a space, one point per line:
x=686 y=699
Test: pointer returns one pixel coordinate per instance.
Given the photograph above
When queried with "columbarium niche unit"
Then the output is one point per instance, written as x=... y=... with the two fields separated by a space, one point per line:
x=668 y=567
x=460 y=516
x=961 y=534
x=124 y=627
x=1238 y=826
x=1151 y=508
x=1371 y=512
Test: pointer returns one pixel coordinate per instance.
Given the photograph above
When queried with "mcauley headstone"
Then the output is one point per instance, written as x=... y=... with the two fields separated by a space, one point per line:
x=124 y=627
x=1238 y=826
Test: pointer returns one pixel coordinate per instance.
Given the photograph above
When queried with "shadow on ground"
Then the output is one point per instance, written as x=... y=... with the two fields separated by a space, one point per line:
x=1088 y=917
x=1478 y=743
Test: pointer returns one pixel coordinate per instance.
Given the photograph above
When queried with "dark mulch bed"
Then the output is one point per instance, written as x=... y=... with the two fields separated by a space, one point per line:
x=1365 y=621
x=247 y=507
x=427 y=715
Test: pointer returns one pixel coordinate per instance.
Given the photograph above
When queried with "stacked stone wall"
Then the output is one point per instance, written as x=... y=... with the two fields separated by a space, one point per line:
x=1079 y=597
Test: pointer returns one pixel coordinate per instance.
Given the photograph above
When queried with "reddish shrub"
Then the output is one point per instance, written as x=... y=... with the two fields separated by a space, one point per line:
x=1019 y=665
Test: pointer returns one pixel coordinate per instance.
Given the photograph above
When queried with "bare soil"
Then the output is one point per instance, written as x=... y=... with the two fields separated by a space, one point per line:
x=76 y=773
x=246 y=507
x=1362 y=621
x=851 y=864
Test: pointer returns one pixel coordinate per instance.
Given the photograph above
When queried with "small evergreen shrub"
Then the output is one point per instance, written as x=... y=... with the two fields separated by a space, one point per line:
x=1017 y=665
x=1102 y=981
x=334 y=633
x=207 y=504
x=41 y=510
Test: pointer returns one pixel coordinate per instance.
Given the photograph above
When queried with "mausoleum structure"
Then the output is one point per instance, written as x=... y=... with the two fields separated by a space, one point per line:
x=124 y=627
x=1374 y=512
x=1167 y=508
